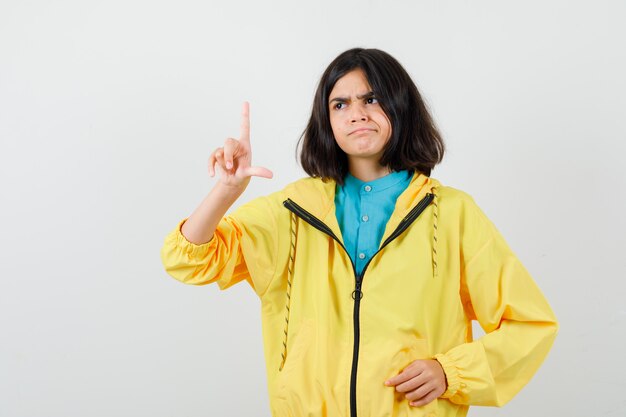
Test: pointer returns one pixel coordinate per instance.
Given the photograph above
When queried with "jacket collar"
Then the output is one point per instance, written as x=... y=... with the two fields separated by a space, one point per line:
x=318 y=198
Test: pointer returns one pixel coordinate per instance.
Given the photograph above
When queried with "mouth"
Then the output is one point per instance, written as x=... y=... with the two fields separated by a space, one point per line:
x=361 y=130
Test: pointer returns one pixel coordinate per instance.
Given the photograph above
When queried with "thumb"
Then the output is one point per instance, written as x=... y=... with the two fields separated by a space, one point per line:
x=258 y=172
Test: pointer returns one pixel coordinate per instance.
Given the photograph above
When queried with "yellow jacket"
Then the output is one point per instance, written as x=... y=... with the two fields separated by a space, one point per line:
x=331 y=338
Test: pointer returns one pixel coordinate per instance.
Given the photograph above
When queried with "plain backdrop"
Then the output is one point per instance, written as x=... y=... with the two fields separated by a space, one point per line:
x=110 y=109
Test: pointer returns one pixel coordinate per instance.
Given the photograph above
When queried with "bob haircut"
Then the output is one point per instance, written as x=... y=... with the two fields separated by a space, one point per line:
x=415 y=142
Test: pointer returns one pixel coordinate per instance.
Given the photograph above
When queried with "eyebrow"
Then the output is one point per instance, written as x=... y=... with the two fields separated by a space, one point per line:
x=369 y=94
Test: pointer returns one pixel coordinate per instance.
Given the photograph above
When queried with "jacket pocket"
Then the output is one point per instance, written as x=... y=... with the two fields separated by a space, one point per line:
x=301 y=341
x=416 y=349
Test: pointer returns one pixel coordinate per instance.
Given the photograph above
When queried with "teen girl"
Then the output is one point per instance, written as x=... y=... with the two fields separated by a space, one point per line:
x=369 y=271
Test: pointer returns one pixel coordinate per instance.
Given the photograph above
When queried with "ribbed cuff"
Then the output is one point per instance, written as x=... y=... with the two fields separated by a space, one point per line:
x=192 y=249
x=452 y=375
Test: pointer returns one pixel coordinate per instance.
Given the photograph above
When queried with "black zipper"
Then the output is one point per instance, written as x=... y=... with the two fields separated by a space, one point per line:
x=357 y=294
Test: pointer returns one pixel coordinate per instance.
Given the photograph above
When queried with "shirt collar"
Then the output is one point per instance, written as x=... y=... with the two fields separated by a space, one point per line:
x=380 y=184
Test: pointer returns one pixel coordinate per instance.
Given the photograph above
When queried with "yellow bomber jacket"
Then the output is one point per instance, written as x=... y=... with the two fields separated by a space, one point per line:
x=331 y=338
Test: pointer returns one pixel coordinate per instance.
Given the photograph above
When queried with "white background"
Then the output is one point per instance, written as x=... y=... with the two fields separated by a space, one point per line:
x=110 y=109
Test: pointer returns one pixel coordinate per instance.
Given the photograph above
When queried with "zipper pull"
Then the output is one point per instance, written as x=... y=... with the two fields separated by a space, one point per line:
x=357 y=294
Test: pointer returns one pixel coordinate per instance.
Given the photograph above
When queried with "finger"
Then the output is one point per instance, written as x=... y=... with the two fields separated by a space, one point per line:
x=230 y=146
x=258 y=172
x=402 y=377
x=245 y=122
x=412 y=384
x=219 y=156
x=410 y=371
x=431 y=396
x=420 y=392
x=212 y=161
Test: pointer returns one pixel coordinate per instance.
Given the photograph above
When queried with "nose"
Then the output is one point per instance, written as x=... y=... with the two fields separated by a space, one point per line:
x=358 y=113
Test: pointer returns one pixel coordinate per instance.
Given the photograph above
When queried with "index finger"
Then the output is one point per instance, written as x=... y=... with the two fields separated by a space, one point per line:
x=406 y=374
x=245 y=122
x=398 y=379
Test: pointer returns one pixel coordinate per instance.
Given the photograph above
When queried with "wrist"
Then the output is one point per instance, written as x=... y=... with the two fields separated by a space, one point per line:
x=443 y=372
x=230 y=191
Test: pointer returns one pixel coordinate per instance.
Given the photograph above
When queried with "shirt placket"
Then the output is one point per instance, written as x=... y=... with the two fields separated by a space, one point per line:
x=364 y=252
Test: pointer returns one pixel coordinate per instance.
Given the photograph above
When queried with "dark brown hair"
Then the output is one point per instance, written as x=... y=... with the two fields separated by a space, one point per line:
x=415 y=142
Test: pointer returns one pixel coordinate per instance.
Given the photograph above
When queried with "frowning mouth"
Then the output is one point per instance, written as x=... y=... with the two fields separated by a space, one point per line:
x=361 y=130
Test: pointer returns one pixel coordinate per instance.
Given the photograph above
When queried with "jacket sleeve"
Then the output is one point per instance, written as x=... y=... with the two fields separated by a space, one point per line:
x=520 y=326
x=243 y=247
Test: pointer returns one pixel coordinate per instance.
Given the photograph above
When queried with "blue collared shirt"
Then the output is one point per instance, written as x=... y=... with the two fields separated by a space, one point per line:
x=363 y=209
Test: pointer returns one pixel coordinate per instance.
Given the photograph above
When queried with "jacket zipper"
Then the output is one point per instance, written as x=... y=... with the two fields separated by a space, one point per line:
x=357 y=294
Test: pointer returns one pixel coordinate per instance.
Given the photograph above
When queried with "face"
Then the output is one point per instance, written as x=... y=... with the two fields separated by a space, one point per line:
x=360 y=126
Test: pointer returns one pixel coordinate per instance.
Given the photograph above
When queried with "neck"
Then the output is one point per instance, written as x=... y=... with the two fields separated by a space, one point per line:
x=367 y=170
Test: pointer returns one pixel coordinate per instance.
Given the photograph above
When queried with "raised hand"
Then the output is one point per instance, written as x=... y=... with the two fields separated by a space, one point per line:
x=235 y=157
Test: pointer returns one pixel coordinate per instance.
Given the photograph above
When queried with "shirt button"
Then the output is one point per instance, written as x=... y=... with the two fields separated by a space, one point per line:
x=361 y=255
x=365 y=218
x=368 y=188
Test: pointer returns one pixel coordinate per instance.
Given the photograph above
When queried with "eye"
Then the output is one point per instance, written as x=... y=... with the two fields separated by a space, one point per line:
x=371 y=100
x=339 y=106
